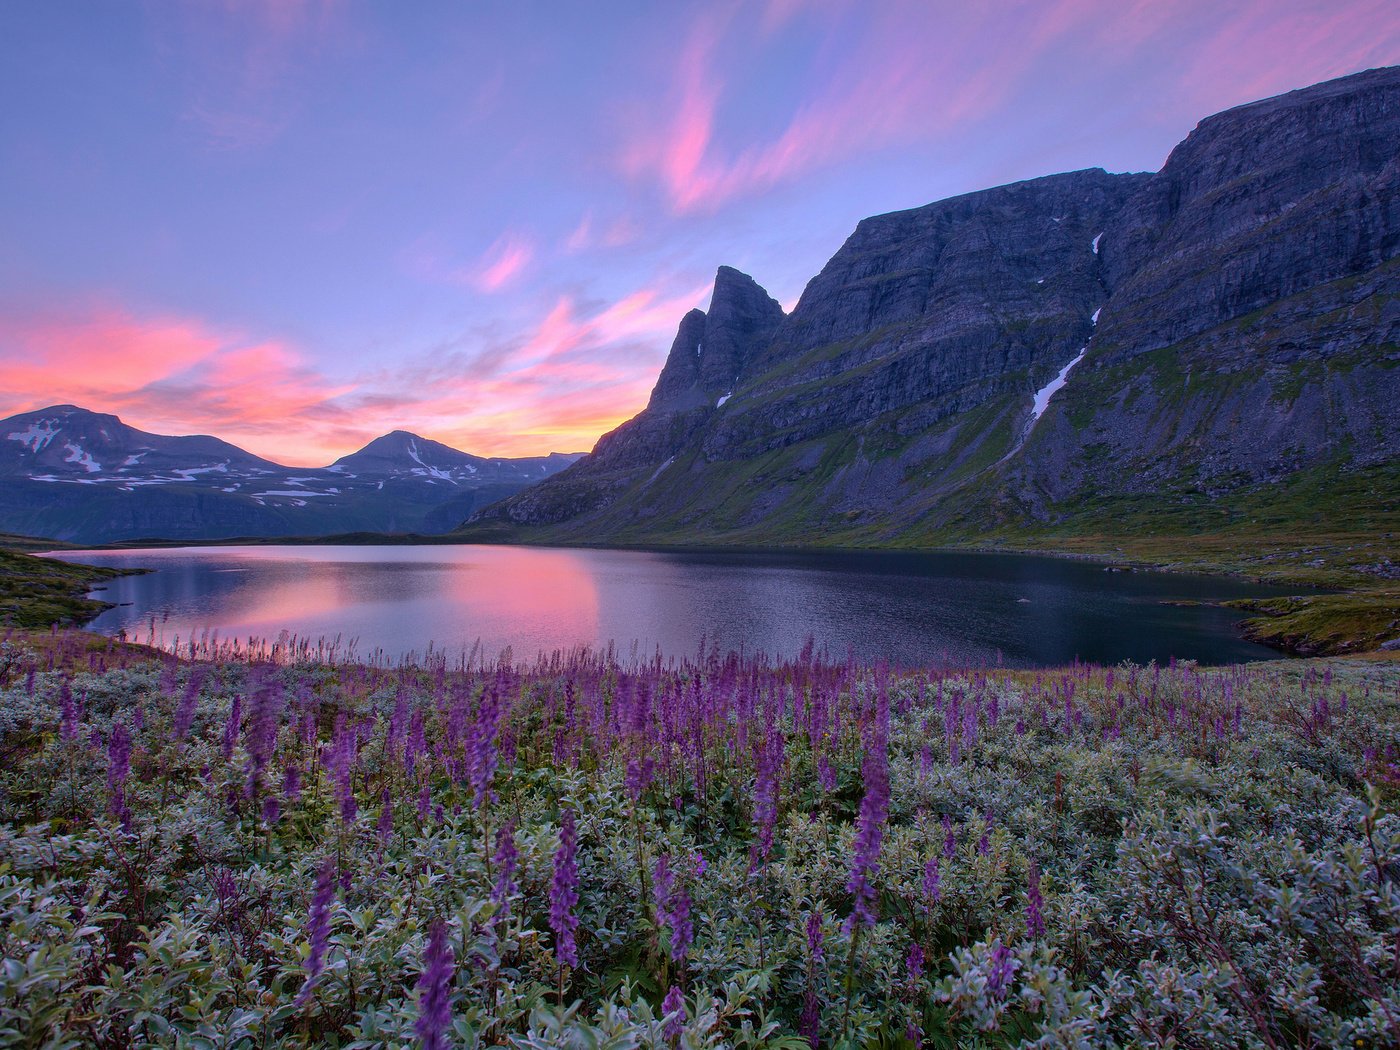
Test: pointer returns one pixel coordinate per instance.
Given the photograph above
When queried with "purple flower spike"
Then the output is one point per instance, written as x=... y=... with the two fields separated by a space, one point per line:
x=810 y=1023
x=318 y=928
x=673 y=908
x=1004 y=965
x=870 y=830
x=232 y=726
x=814 y=937
x=481 y=746
x=1035 y=904
x=674 y=1003
x=435 y=991
x=984 y=844
x=931 y=882
x=118 y=767
x=563 y=892
x=505 y=861
x=915 y=963
x=71 y=715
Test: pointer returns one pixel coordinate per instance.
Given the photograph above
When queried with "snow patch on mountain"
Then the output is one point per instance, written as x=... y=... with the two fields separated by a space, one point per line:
x=38 y=434
x=1045 y=393
x=77 y=454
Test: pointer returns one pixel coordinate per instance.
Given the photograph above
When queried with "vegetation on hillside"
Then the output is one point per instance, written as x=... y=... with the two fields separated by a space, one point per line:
x=40 y=592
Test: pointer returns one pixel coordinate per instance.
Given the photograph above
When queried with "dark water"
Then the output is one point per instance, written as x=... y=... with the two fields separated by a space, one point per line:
x=912 y=608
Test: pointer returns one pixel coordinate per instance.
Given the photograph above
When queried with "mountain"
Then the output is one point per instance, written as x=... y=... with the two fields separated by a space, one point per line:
x=87 y=477
x=1214 y=343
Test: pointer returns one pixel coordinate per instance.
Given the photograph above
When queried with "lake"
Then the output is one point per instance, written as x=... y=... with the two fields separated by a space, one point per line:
x=911 y=608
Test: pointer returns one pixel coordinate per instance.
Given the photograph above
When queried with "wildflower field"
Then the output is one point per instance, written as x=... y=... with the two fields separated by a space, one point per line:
x=267 y=850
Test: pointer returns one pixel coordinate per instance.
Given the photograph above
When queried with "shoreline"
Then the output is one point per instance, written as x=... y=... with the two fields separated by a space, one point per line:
x=1338 y=610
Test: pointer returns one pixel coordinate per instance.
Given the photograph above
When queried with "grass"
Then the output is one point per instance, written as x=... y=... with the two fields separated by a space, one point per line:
x=40 y=592
x=1330 y=624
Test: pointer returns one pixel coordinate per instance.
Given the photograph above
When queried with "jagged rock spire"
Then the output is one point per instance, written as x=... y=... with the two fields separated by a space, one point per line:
x=711 y=349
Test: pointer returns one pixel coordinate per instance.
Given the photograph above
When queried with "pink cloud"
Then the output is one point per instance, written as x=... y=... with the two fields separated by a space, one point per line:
x=907 y=73
x=580 y=370
x=580 y=238
x=503 y=262
x=873 y=90
x=170 y=375
x=589 y=234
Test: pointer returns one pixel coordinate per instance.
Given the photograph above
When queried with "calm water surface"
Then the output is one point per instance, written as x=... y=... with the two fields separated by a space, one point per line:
x=913 y=608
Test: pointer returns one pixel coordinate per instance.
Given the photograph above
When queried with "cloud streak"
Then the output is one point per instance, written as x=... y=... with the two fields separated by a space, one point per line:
x=581 y=370
x=503 y=262
x=908 y=72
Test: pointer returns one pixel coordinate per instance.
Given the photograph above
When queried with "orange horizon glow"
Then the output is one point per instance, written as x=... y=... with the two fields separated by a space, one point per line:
x=562 y=388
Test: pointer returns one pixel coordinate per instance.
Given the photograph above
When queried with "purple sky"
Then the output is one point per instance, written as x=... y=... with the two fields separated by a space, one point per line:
x=298 y=224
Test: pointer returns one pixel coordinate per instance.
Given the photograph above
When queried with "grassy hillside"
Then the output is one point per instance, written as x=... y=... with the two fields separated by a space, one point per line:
x=40 y=592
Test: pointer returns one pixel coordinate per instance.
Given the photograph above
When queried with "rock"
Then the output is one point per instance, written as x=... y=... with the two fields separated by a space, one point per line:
x=1232 y=323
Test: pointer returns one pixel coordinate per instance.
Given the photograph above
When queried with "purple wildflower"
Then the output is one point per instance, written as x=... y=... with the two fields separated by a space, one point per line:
x=809 y=1024
x=415 y=744
x=435 y=990
x=674 y=1003
x=71 y=714
x=291 y=783
x=232 y=726
x=639 y=775
x=984 y=844
x=318 y=928
x=915 y=963
x=765 y=801
x=505 y=861
x=814 y=937
x=342 y=759
x=1003 y=966
x=481 y=746
x=826 y=776
x=261 y=739
x=563 y=892
x=226 y=889
x=673 y=908
x=189 y=702
x=1035 y=904
x=950 y=840
x=931 y=881
x=118 y=767
x=870 y=830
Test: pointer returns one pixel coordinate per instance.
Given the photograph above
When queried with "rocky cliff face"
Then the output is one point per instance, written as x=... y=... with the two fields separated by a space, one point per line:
x=1044 y=351
x=1253 y=327
x=712 y=350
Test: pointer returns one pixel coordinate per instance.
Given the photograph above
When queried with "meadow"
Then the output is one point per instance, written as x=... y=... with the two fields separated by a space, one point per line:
x=273 y=847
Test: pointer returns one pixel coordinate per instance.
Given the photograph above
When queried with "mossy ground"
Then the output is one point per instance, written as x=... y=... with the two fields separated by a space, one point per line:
x=40 y=592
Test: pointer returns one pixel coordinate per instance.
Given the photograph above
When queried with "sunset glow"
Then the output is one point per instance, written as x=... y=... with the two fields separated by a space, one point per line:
x=446 y=219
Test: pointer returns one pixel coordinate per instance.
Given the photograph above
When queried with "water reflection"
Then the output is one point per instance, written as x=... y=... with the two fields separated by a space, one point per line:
x=910 y=608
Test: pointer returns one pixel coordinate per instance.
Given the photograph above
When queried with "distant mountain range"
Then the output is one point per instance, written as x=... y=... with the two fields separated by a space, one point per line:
x=85 y=477
x=1213 y=345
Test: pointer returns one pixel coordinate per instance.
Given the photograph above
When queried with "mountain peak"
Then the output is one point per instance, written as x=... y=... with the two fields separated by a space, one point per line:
x=712 y=347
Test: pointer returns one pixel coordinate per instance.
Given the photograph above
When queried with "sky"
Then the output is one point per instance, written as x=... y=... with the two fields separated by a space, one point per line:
x=300 y=224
